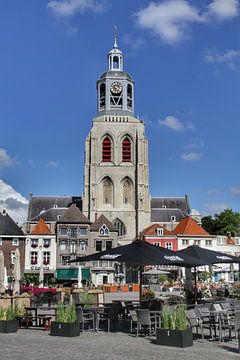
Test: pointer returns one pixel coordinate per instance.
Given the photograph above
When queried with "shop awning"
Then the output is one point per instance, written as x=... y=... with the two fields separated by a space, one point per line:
x=72 y=274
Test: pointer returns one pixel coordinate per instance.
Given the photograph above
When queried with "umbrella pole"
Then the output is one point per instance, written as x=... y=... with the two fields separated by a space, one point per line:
x=195 y=284
x=140 y=285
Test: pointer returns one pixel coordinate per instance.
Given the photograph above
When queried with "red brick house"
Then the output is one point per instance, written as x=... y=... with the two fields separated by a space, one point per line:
x=158 y=235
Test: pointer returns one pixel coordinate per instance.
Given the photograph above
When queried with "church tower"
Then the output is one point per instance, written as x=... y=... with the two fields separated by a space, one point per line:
x=116 y=180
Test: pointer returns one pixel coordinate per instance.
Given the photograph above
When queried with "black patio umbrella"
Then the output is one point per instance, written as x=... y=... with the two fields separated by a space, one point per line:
x=141 y=253
x=207 y=257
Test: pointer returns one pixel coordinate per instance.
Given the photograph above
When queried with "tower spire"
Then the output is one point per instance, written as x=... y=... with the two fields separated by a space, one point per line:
x=115 y=46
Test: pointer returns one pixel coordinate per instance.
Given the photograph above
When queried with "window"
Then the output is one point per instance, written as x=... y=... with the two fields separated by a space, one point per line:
x=106 y=150
x=107 y=191
x=13 y=257
x=73 y=247
x=104 y=231
x=208 y=242
x=109 y=264
x=120 y=227
x=33 y=257
x=73 y=232
x=83 y=245
x=15 y=241
x=65 y=259
x=46 y=258
x=63 y=245
x=185 y=242
x=129 y=96
x=168 y=245
x=173 y=218
x=126 y=150
x=127 y=191
x=197 y=242
x=160 y=231
x=0 y=241
x=102 y=96
x=83 y=231
x=46 y=243
x=157 y=244
x=108 y=245
x=63 y=230
x=98 y=245
x=116 y=62
x=34 y=243
x=164 y=206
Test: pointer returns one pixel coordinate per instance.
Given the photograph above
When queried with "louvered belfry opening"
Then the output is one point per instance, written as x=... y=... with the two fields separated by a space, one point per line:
x=106 y=150
x=126 y=150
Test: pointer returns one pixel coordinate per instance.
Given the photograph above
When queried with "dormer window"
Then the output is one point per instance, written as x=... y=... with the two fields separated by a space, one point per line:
x=173 y=218
x=159 y=231
x=55 y=206
x=164 y=207
x=104 y=231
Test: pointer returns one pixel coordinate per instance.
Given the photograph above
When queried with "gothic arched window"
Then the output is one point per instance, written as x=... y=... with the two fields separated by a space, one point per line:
x=126 y=150
x=116 y=62
x=106 y=150
x=102 y=96
x=107 y=187
x=119 y=225
x=127 y=191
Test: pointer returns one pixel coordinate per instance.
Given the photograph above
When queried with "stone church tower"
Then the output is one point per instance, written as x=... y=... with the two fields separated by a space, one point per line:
x=116 y=180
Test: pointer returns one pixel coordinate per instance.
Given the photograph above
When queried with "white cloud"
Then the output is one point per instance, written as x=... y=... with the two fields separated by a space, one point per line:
x=52 y=164
x=15 y=204
x=5 y=159
x=192 y=156
x=69 y=8
x=133 y=41
x=168 y=19
x=224 y=9
x=175 y=124
x=231 y=58
x=213 y=191
x=235 y=189
x=195 y=144
x=213 y=208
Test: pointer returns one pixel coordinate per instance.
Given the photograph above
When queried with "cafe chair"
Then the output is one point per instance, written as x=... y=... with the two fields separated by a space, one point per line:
x=85 y=317
x=147 y=320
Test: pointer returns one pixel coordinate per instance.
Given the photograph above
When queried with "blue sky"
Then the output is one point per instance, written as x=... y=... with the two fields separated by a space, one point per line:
x=185 y=59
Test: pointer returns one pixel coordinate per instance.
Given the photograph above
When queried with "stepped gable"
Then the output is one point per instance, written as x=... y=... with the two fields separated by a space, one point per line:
x=152 y=230
x=74 y=215
x=50 y=207
x=41 y=228
x=102 y=220
x=8 y=225
x=189 y=226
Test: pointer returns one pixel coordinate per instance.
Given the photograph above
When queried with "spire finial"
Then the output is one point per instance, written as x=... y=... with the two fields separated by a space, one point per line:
x=115 y=38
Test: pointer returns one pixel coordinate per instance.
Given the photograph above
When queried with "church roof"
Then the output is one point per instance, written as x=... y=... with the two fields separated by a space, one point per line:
x=102 y=220
x=8 y=226
x=189 y=226
x=115 y=74
x=74 y=215
x=49 y=207
x=181 y=203
x=152 y=230
x=41 y=228
x=164 y=215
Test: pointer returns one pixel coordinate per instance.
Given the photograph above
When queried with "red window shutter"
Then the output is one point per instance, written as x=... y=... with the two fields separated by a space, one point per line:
x=106 y=150
x=126 y=150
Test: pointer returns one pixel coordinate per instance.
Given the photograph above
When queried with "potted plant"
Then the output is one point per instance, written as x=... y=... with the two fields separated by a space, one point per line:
x=66 y=322
x=8 y=322
x=175 y=329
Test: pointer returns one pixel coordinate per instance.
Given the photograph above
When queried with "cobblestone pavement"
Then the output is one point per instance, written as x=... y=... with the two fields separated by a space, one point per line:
x=35 y=344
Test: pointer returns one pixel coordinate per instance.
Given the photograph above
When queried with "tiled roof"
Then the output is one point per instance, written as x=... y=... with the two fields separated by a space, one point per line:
x=8 y=226
x=164 y=215
x=152 y=230
x=74 y=215
x=41 y=228
x=189 y=226
x=40 y=204
x=181 y=203
x=100 y=222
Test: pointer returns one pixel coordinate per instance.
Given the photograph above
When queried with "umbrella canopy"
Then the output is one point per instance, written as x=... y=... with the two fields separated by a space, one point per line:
x=156 y=272
x=209 y=256
x=142 y=253
x=17 y=272
x=1 y=272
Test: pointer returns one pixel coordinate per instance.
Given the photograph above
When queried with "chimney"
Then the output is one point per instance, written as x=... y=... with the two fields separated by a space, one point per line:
x=4 y=212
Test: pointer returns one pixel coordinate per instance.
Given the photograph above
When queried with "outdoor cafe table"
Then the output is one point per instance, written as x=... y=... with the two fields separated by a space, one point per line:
x=37 y=320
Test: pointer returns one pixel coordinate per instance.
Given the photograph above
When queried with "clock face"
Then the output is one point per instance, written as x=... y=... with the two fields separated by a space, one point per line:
x=116 y=88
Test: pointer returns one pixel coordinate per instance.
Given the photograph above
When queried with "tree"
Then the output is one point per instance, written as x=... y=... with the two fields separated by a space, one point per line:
x=224 y=223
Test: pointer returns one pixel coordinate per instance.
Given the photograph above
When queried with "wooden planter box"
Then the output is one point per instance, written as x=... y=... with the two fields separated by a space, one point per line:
x=113 y=288
x=8 y=326
x=65 y=329
x=179 y=338
x=124 y=288
x=135 y=287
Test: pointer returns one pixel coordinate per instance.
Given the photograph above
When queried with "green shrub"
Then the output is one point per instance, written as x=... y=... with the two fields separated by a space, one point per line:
x=174 y=320
x=66 y=314
x=7 y=313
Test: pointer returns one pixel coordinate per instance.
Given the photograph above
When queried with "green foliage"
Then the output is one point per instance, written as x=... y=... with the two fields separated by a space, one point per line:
x=148 y=294
x=204 y=276
x=66 y=314
x=7 y=313
x=52 y=281
x=226 y=222
x=162 y=278
x=30 y=279
x=20 y=310
x=174 y=320
x=86 y=298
